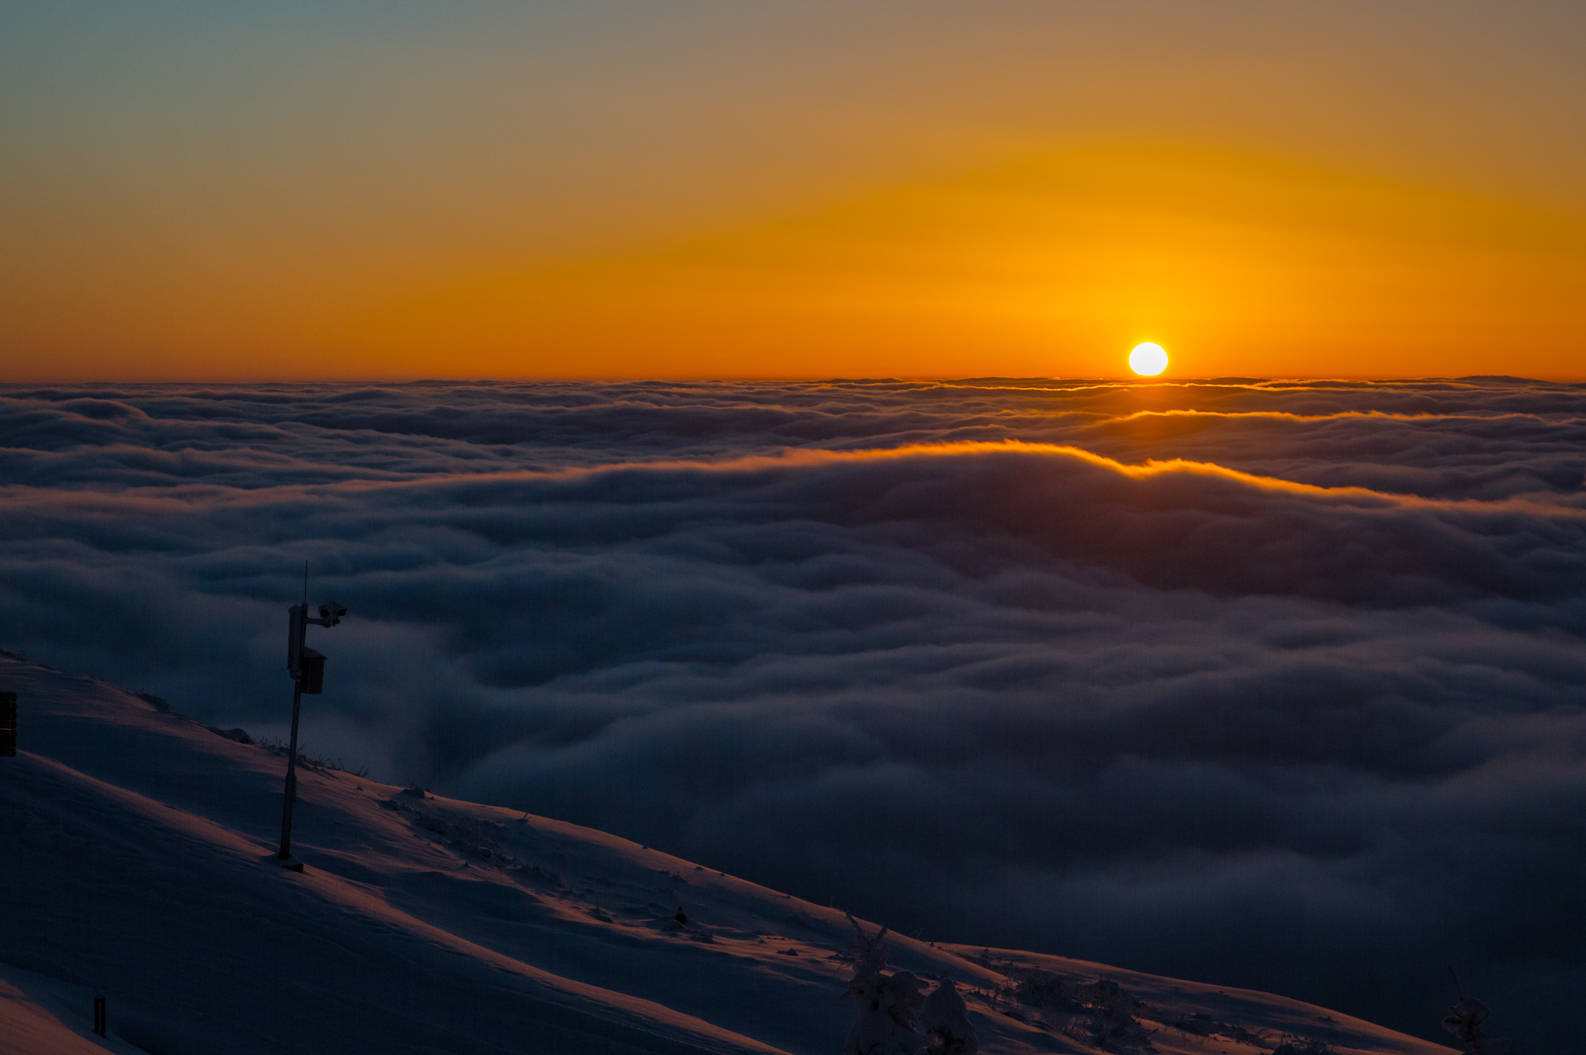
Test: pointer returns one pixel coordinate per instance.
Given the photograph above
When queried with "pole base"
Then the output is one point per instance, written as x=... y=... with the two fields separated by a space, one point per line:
x=291 y=864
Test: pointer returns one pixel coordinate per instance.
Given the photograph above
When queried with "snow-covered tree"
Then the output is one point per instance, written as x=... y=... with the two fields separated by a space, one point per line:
x=1467 y=1022
x=887 y=1002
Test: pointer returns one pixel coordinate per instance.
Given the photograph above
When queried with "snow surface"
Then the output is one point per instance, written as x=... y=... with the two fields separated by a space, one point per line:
x=137 y=862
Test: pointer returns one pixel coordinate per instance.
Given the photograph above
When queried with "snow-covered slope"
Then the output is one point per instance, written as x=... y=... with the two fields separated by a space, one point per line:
x=137 y=861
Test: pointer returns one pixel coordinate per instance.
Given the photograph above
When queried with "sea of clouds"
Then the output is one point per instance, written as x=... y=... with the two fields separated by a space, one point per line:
x=1275 y=684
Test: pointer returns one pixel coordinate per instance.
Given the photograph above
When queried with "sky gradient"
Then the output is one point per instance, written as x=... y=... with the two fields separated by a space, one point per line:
x=700 y=189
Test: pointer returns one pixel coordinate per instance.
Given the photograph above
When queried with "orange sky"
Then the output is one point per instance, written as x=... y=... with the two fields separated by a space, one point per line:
x=797 y=190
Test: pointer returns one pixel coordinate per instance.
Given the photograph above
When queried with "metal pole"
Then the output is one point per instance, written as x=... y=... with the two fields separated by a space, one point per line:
x=285 y=852
x=300 y=627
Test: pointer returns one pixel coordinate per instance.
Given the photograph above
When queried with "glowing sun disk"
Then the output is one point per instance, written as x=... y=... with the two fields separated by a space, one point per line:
x=1148 y=359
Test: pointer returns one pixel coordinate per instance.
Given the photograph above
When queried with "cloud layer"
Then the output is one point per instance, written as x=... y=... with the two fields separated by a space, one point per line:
x=1272 y=683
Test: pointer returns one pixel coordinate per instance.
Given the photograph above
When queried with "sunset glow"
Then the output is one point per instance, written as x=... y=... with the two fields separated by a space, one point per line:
x=502 y=192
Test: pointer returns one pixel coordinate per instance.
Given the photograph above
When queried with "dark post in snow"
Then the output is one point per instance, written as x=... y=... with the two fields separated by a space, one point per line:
x=8 y=724
x=307 y=668
x=99 y=1015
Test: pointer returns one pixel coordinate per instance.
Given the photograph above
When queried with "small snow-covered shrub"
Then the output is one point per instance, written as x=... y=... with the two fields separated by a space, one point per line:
x=1100 y=1013
x=945 y=1020
x=1308 y=1047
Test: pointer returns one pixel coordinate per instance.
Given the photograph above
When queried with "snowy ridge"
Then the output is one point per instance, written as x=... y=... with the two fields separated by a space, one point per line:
x=137 y=863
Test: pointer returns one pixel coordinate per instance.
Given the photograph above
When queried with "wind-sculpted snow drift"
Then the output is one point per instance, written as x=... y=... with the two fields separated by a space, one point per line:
x=139 y=868
x=1273 y=683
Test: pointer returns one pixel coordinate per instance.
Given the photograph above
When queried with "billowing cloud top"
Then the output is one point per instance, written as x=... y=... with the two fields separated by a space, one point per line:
x=1270 y=683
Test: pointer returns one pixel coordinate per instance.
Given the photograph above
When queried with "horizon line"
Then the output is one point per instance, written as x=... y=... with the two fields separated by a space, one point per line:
x=709 y=378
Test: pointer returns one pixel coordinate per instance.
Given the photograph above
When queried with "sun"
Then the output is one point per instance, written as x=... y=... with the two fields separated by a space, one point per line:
x=1148 y=359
